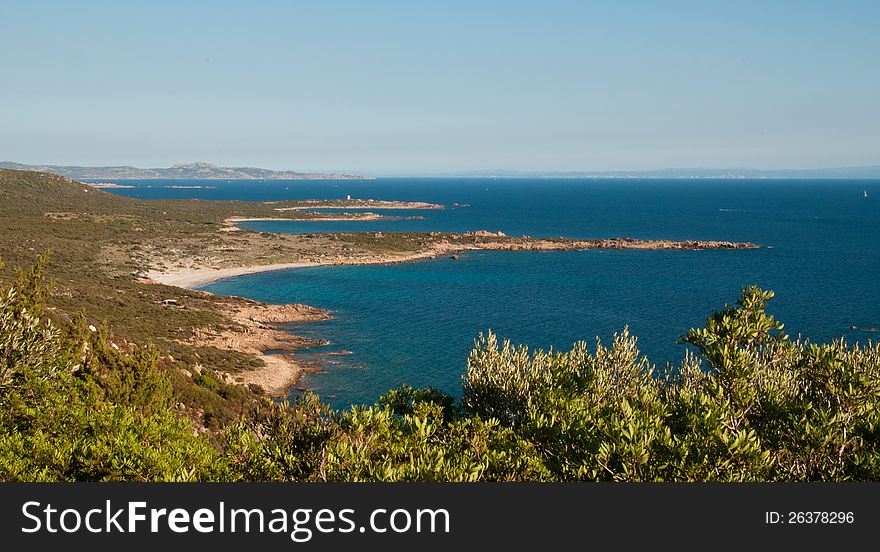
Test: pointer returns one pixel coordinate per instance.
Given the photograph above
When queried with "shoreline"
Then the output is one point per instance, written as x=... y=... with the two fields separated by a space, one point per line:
x=280 y=371
x=349 y=203
x=194 y=276
x=231 y=224
x=258 y=333
x=261 y=334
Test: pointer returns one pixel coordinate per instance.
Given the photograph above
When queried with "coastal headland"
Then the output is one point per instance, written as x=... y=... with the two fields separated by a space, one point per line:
x=190 y=273
x=131 y=266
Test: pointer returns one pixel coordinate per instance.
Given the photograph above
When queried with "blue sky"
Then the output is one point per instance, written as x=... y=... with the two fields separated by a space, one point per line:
x=417 y=87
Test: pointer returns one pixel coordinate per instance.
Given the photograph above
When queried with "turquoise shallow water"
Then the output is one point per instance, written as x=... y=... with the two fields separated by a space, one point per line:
x=413 y=323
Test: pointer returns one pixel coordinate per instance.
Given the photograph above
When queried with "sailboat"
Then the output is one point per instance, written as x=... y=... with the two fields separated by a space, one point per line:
x=866 y=193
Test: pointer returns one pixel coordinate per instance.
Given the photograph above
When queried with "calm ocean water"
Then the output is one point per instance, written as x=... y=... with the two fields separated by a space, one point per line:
x=413 y=323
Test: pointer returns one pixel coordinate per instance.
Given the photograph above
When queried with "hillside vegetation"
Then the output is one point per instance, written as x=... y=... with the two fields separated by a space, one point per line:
x=98 y=379
x=100 y=247
x=751 y=405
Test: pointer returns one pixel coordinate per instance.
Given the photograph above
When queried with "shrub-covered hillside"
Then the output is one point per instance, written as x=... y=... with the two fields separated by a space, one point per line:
x=749 y=404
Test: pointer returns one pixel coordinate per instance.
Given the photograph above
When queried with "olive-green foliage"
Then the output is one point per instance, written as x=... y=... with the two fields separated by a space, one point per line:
x=26 y=344
x=74 y=408
x=311 y=442
x=404 y=399
x=590 y=416
x=746 y=403
x=763 y=408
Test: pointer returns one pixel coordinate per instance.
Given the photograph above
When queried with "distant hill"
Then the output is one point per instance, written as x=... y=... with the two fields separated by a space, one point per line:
x=27 y=194
x=189 y=171
x=867 y=172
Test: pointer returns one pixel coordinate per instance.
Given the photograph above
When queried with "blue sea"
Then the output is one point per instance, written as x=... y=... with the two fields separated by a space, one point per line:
x=414 y=323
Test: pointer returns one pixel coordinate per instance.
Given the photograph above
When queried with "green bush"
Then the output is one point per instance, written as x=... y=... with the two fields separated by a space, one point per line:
x=762 y=407
x=746 y=403
x=310 y=442
x=74 y=408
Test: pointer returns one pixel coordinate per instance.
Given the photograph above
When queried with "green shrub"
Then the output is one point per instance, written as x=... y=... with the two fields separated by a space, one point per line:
x=762 y=408
x=75 y=408
x=405 y=399
x=746 y=403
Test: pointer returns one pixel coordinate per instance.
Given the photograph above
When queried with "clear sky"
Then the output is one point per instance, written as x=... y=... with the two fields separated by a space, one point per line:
x=418 y=87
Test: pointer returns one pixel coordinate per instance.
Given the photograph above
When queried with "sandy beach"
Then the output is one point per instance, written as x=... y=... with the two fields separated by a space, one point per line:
x=191 y=278
x=257 y=334
x=196 y=276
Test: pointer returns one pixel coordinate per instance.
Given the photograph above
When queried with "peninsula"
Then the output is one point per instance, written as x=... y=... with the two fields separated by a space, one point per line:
x=131 y=264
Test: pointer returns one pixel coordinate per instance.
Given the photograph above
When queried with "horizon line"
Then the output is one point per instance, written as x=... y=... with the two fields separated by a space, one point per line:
x=466 y=173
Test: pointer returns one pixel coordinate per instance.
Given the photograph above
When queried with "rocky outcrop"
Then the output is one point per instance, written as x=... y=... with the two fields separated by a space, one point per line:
x=561 y=244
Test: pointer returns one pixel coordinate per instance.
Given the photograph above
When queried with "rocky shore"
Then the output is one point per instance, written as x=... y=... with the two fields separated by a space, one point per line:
x=350 y=203
x=257 y=328
x=258 y=332
x=434 y=244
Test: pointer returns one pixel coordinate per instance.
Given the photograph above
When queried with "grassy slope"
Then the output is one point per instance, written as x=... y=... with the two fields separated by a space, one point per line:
x=91 y=243
x=101 y=244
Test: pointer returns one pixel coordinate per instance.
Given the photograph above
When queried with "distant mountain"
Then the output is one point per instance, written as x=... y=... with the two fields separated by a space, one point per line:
x=868 y=172
x=208 y=171
x=189 y=171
